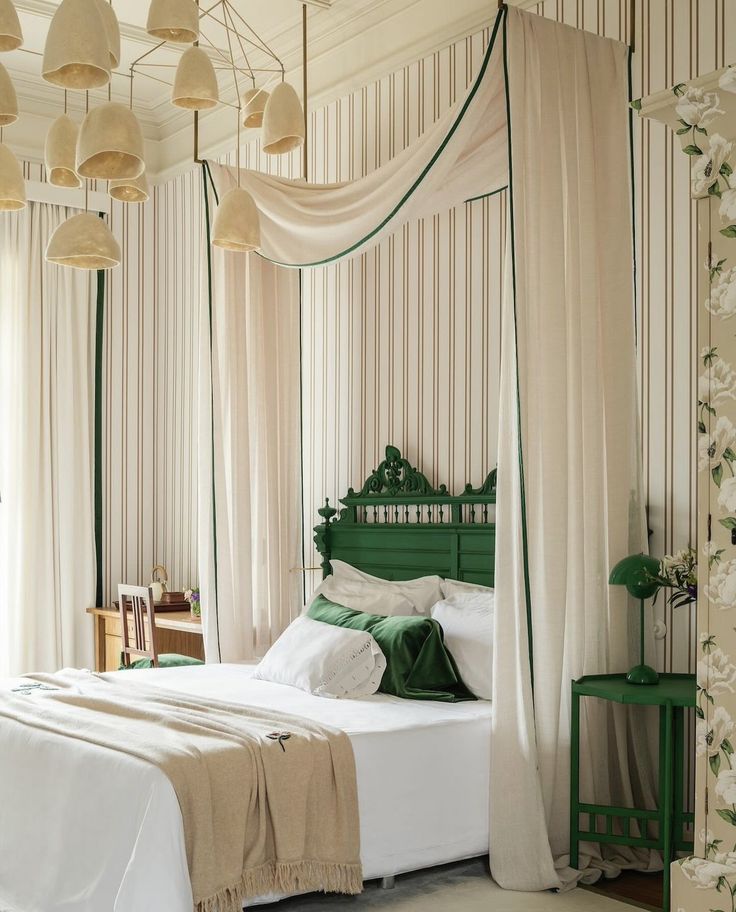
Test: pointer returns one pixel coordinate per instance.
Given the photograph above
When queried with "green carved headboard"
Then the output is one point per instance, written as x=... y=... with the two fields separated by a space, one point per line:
x=399 y=527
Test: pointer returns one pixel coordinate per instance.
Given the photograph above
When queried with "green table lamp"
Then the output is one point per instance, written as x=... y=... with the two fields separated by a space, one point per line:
x=638 y=573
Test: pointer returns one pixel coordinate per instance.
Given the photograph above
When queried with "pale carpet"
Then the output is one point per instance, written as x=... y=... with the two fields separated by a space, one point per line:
x=462 y=887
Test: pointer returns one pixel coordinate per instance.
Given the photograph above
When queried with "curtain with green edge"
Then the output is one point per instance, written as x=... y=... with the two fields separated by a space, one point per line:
x=547 y=117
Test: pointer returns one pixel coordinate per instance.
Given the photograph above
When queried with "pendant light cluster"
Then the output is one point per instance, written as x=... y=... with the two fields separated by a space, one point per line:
x=81 y=52
x=277 y=113
x=12 y=185
x=82 y=48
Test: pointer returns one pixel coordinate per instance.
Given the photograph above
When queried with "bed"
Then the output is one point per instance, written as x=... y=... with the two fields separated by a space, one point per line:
x=111 y=823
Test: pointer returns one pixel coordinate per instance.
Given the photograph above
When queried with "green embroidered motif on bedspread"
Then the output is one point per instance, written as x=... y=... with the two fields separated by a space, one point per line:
x=418 y=664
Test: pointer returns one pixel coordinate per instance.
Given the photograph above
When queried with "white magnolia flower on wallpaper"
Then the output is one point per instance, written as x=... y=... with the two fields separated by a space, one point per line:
x=697 y=107
x=711 y=447
x=722 y=300
x=727 y=82
x=721 y=590
x=727 y=209
x=716 y=673
x=705 y=873
x=727 y=498
x=708 y=738
x=713 y=554
x=726 y=786
x=717 y=383
x=706 y=167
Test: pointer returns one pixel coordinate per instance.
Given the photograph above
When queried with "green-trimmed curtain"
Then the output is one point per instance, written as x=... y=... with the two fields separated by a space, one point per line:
x=546 y=116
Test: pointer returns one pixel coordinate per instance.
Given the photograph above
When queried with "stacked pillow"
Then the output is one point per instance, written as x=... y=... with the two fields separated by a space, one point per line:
x=324 y=660
x=421 y=639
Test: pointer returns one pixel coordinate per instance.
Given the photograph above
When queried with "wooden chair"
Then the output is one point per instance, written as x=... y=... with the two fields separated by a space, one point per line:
x=136 y=605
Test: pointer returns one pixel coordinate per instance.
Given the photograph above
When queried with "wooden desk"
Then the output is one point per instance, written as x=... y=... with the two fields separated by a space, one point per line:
x=176 y=631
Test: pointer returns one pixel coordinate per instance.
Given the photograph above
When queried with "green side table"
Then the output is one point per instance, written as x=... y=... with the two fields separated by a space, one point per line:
x=673 y=694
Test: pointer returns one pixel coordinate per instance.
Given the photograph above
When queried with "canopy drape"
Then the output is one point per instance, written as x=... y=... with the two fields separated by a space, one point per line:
x=546 y=116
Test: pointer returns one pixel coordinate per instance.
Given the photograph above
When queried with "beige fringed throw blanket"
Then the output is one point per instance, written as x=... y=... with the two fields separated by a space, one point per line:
x=268 y=801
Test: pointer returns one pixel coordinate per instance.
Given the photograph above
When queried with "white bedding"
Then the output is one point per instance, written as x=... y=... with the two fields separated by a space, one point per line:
x=85 y=830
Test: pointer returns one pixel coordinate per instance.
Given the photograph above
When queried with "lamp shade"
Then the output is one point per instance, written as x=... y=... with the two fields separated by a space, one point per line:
x=636 y=572
x=130 y=190
x=283 y=121
x=173 y=20
x=84 y=242
x=12 y=185
x=11 y=34
x=110 y=144
x=77 y=53
x=8 y=99
x=61 y=153
x=195 y=83
x=237 y=224
x=254 y=104
x=112 y=30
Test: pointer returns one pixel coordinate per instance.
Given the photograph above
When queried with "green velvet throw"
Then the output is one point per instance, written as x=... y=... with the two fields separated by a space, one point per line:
x=418 y=665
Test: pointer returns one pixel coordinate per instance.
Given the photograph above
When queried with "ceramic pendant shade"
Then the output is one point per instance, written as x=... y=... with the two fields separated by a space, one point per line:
x=283 y=121
x=77 y=54
x=12 y=185
x=133 y=190
x=8 y=100
x=61 y=153
x=237 y=224
x=254 y=104
x=110 y=144
x=11 y=35
x=173 y=20
x=112 y=30
x=84 y=242
x=195 y=83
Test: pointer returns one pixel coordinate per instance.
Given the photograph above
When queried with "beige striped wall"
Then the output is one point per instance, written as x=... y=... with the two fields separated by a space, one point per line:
x=407 y=337
x=401 y=345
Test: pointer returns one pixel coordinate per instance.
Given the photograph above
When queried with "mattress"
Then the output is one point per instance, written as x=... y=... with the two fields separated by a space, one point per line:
x=85 y=830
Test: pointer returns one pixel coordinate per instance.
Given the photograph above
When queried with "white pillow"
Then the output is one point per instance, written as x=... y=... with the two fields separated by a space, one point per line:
x=363 y=597
x=452 y=587
x=422 y=592
x=467 y=622
x=325 y=660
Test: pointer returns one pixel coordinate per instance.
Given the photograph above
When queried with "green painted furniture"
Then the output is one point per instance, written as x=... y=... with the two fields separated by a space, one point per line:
x=663 y=828
x=398 y=527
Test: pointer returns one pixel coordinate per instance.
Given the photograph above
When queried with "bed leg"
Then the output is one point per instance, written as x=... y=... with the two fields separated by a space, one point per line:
x=388 y=883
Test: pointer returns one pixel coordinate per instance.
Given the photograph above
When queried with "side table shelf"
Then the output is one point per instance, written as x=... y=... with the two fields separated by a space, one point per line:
x=631 y=826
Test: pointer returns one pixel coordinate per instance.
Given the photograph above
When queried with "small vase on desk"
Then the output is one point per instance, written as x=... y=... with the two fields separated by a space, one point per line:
x=192 y=596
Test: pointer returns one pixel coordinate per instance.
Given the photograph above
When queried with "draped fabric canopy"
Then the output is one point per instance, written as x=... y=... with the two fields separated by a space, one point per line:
x=547 y=117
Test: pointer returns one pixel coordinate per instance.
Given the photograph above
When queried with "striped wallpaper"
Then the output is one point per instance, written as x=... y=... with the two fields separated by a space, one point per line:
x=401 y=345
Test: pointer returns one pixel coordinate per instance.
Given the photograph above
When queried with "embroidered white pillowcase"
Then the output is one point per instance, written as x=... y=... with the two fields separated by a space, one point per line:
x=324 y=660
x=422 y=592
x=361 y=596
x=466 y=619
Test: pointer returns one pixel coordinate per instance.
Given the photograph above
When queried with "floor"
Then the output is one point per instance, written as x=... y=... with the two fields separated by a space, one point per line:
x=462 y=887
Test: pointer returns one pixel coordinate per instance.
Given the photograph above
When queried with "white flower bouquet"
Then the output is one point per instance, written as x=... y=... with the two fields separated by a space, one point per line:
x=679 y=572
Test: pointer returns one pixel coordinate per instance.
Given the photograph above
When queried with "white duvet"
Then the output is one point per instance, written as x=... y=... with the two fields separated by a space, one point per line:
x=87 y=830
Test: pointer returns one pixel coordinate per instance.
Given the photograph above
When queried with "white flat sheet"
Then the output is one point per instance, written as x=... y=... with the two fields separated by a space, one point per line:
x=86 y=830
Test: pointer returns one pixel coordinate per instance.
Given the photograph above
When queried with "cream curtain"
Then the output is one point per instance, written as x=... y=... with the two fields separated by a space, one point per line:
x=47 y=551
x=548 y=117
x=570 y=357
x=249 y=464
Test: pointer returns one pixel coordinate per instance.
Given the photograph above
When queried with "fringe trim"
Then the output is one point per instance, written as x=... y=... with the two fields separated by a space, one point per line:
x=286 y=877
